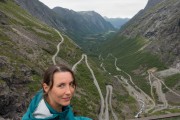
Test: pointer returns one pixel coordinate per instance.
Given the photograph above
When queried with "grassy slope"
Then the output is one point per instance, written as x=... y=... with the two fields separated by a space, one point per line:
x=88 y=103
x=131 y=59
x=87 y=100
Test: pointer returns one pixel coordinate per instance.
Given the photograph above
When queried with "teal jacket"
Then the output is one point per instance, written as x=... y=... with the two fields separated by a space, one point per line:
x=33 y=110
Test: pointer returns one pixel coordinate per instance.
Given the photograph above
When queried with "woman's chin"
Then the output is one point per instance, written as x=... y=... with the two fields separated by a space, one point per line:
x=65 y=104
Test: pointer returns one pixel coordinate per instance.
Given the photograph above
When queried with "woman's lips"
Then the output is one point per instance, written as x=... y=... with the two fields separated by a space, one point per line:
x=66 y=99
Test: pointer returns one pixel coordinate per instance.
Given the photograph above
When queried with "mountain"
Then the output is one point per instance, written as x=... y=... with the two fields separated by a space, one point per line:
x=160 y=25
x=27 y=48
x=87 y=22
x=147 y=49
x=152 y=3
x=82 y=26
x=123 y=81
x=117 y=22
x=76 y=24
x=42 y=12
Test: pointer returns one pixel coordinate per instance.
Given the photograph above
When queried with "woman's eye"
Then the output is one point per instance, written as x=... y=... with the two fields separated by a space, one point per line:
x=61 y=85
x=72 y=85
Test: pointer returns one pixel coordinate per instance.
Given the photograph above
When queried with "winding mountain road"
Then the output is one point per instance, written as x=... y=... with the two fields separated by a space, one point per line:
x=58 y=47
x=109 y=89
x=92 y=73
x=142 y=96
x=75 y=65
x=146 y=102
x=161 y=96
x=157 y=83
x=98 y=88
x=104 y=111
x=84 y=56
x=110 y=102
x=165 y=85
x=106 y=103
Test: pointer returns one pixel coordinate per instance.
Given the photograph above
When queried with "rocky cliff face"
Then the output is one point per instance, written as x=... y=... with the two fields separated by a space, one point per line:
x=42 y=12
x=152 y=3
x=159 y=23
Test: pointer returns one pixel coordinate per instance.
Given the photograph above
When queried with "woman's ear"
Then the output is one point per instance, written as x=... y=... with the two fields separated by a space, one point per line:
x=45 y=87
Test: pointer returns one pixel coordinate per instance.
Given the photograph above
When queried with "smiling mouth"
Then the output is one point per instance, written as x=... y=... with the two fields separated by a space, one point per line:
x=67 y=99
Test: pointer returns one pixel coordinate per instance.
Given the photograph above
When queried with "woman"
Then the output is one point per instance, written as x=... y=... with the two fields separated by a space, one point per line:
x=53 y=101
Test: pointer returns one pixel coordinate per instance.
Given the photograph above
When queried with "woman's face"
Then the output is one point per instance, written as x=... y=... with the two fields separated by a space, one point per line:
x=62 y=90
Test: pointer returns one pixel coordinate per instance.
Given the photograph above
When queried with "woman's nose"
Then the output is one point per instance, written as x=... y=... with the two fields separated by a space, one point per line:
x=68 y=90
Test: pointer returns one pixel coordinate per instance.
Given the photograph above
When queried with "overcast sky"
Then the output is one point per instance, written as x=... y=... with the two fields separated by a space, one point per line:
x=108 y=8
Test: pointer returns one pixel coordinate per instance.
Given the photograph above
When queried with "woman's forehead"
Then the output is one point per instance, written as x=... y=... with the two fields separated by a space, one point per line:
x=62 y=77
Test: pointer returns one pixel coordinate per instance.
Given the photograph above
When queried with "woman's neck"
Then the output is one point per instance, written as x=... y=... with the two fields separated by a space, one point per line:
x=57 y=107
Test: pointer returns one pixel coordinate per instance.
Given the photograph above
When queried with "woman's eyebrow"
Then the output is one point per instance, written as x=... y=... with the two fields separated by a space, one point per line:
x=65 y=82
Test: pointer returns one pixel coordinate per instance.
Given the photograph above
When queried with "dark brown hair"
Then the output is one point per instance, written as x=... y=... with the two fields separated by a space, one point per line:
x=49 y=73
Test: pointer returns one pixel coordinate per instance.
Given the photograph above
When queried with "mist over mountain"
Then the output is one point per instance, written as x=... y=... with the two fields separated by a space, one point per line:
x=117 y=22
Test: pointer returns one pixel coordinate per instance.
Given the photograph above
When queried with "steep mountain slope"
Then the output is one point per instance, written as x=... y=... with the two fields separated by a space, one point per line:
x=86 y=27
x=146 y=48
x=27 y=47
x=84 y=22
x=159 y=23
x=124 y=71
x=96 y=21
x=76 y=25
x=42 y=12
